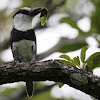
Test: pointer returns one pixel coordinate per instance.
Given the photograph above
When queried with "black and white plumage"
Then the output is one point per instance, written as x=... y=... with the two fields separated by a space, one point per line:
x=23 y=39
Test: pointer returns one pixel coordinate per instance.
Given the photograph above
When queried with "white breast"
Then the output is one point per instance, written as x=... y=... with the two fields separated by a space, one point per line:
x=25 y=50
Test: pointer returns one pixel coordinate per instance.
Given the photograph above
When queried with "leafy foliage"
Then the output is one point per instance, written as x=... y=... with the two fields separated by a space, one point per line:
x=68 y=61
x=93 y=61
x=71 y=46
x=60 y=84
x=66 y=57
x=83 y=53
x=72 y=23
x=95 y=19
x=76 y=60
x=89 y=64
x=43 y=16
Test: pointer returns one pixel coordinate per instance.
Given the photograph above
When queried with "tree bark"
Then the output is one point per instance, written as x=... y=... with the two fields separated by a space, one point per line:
x=52 y=70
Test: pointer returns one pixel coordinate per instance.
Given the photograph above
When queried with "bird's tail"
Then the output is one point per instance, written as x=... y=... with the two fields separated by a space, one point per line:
x=29 y=88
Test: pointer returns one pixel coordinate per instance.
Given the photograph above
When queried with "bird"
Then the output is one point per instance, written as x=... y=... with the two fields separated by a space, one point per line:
x=23 y=39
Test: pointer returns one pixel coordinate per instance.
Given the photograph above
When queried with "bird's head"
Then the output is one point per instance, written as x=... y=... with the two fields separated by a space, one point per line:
x=23 y=18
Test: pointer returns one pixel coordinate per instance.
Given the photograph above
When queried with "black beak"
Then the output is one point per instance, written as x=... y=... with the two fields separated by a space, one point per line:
x=35 y=11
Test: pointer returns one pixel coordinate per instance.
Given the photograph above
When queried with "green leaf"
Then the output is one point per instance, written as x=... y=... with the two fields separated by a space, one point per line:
x=65 y=57
x=43 y=20
x=68 y=63
x=90 y=58
x=60 y=84
x=69 y=21
x=95 y=18
x=67 y=47
x=93 y=61
x=43 y=16
x=83 y=53
x=72 y=23
x=76 y=60
x=89 y=66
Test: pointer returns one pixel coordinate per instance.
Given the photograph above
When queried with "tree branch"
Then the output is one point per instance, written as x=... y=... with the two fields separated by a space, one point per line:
x=53 y=71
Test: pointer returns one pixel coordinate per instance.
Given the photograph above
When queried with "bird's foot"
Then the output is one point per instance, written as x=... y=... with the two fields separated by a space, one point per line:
x=32 y=61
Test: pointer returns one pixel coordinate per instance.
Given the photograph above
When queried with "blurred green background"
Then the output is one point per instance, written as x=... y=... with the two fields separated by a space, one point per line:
x=71 y=25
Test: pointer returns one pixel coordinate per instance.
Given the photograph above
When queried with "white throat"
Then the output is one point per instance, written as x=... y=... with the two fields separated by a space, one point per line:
x=22 y=22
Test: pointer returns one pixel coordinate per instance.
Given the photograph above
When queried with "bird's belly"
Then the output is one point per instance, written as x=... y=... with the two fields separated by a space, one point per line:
x=24 y=50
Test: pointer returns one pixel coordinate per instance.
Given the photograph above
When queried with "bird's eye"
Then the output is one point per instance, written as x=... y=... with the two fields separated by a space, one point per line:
x=24 y=12
x=21 y=11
